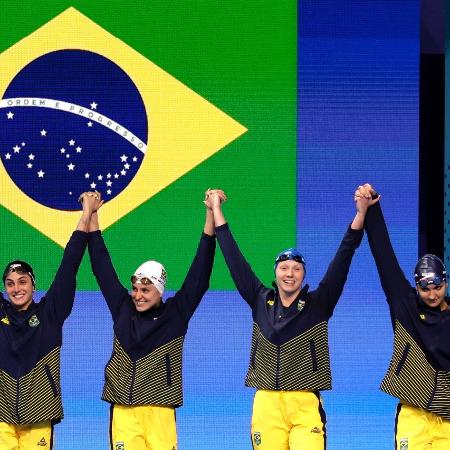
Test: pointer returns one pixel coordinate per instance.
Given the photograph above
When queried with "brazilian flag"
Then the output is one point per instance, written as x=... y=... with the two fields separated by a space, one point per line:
x=151 y=103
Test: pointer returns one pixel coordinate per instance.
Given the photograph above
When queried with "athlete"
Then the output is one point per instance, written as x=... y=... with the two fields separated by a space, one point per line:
x=30 y=344
x=419 y=372
x=289 y=358
x=143 y=379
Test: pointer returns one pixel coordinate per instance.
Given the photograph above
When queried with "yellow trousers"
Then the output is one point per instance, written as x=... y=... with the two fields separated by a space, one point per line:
x=38 y=436
x=143 y=427
x=288 y=420
x=417 y=429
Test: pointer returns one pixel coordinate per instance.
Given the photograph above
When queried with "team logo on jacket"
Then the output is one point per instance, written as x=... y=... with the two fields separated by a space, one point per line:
x=120 y=445
x=33 y=321
x=301 y=305
x=5 y=320
x=422 y=316
x=271 y=302
x=315 y=430
x=404 y=444
x=257 y=438
x=42 y=443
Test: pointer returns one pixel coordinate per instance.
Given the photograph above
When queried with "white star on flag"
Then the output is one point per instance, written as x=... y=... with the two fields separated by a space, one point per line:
x=123 y=158
x=16 y=149
x=94 y=105
x=10 y=115
x=71 y=142
x=31 y=156
x=41 y=174
x=43 y=132
x=71 y=166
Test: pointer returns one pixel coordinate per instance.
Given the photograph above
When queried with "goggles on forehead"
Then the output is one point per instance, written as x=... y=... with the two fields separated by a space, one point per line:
x=424 y=282
x=20 y=270
x=141 y=280
x=290 y=256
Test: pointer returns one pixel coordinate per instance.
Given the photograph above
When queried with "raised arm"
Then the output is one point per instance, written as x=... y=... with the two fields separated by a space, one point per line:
x=247 y=283
x=196 y=281
x=332 y=284
x=113 y=291
x=60 y=296
x=393 y=280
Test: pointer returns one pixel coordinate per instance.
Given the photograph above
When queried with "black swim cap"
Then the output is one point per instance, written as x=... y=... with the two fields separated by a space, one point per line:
x=19 y=267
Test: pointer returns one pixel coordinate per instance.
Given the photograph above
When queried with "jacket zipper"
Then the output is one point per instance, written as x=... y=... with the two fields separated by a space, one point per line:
x=133 y=376
x=17 y=401
x=277 y=376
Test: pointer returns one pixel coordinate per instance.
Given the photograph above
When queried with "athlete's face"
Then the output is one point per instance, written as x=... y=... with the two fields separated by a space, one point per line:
x=145 y=296
x=19 y=289
x=434 y=295
x=289 y=276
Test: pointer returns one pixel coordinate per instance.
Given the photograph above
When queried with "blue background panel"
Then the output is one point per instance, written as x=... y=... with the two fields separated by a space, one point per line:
x=358 y=93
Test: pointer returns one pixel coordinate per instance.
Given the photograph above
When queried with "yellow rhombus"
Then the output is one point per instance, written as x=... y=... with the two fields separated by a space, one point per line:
x=186 y=129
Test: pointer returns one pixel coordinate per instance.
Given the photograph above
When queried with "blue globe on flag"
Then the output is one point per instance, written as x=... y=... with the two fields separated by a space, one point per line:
x=74 y=122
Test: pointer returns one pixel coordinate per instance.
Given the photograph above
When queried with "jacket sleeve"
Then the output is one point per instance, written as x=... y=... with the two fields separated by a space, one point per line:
x=247 y=283
x=332 y=284
x=196 y=282
x=393 y=280
x=113 y=291
x=61 y=294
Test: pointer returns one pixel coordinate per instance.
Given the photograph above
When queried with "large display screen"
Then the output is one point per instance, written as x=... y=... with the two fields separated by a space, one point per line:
x=288 y=106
